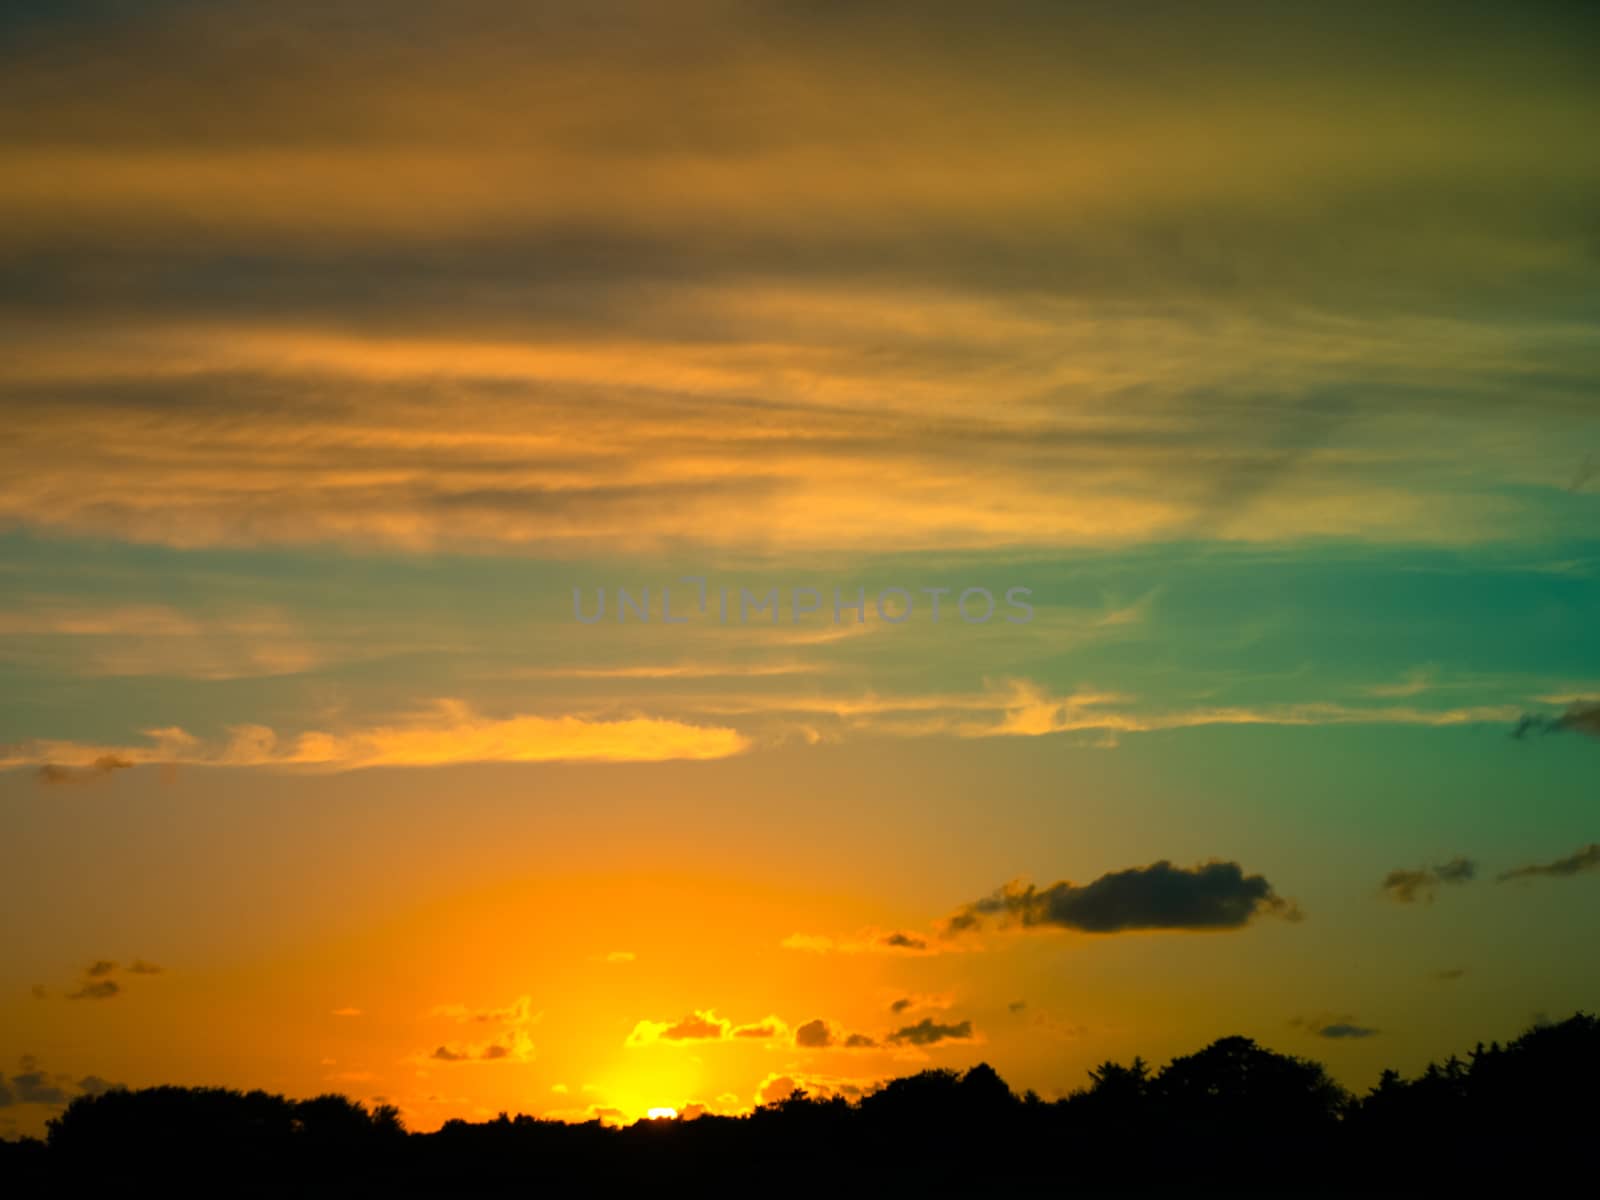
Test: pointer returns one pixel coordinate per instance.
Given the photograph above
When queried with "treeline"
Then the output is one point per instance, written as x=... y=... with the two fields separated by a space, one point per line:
x=1233 y=1116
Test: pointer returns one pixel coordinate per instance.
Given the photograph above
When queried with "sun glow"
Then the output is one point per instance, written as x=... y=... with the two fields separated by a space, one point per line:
x=663 y=1114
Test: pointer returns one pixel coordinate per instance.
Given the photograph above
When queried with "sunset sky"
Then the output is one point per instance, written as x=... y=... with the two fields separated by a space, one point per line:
x=341 y=342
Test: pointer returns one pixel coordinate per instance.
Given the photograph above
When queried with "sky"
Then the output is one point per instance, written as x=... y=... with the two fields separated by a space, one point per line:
x=476 y=483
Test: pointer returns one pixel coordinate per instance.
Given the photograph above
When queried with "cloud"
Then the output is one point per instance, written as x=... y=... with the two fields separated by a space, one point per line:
x=928 y=1032
x=1408 y=885
x=346 y=1012
x=664 y=318
x=870 y=940
x=1019 y=707
x=447 y=732
x=1577 y=863
x=511 y=1046
x=1457 y=870
x=127 y=640
x=96 y=989
x=1335 y=1028
x=698 y=1026
x=917 y=1000
x=1213 y=895
x=905 y=941
x=97 y=982
x=813 y=1035
x=1450 y=974
x=1583 y=717
x=700 y=725
x=1342 y=1029
x=620 y=956
x=1415 y=683
x=33 y=1087
x=105 y=764
x=778 y=1087
x=512 y=1043
x=766 y=1029
x=518 y=1013
x=821 y=1035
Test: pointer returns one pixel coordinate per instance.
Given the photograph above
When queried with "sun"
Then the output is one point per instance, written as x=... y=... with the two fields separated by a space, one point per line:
x=663 y=1114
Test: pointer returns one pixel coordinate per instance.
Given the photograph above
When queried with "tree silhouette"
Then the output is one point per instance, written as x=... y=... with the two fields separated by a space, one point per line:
x=1233 y=1115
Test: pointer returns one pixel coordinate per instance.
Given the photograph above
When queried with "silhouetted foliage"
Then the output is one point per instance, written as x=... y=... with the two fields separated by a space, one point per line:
x=1232 y=1116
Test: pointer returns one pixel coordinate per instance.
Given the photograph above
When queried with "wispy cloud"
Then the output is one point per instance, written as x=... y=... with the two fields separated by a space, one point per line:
x=1577 y=863
x=448 y=732
x=872 y=940
x=1408 y=885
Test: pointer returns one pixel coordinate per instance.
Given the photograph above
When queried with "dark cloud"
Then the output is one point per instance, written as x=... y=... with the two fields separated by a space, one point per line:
x=900 y=1005
x=814 y=1035
x=50 y=773
x=818 y=1035
x=1212 y=895
x=905 y=941
x=1406 y=885
x=1342 y=1029
x=761 y=1029
x=1576 y=863
x=1017 y=1006
x=1581 y=718
x=964 y=921
x=96 y=989
x=1334 y=1027
x=97 y=982
x=1450 y=974
x=1457 y=870
x=928 y=1032
x=34 y=1087
x=492 y=1052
